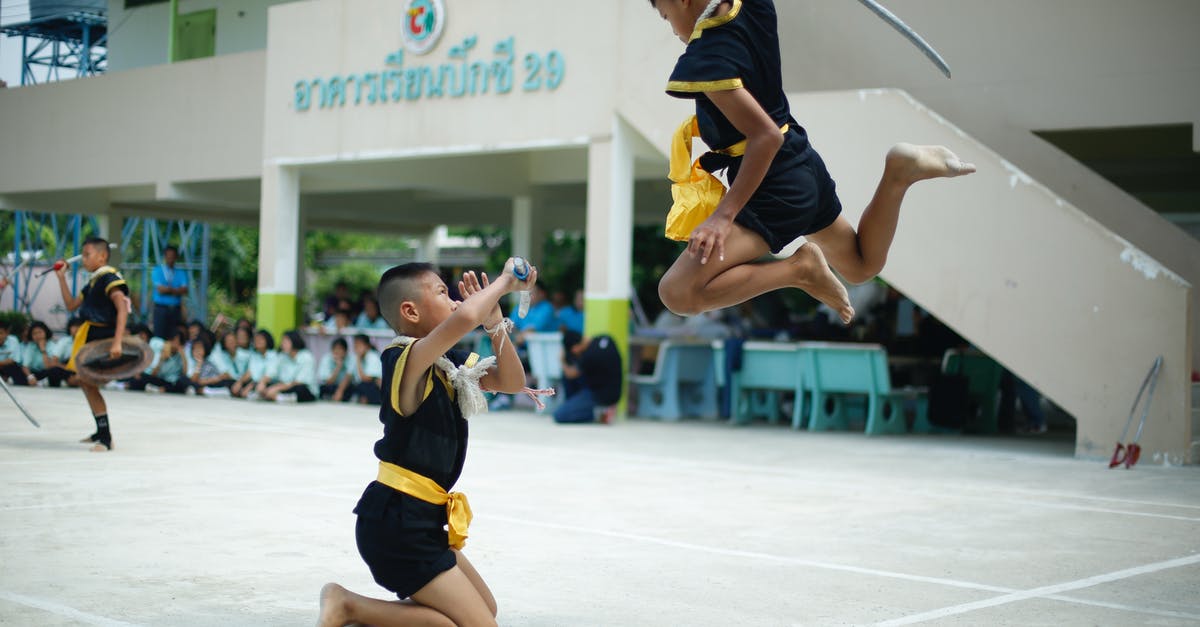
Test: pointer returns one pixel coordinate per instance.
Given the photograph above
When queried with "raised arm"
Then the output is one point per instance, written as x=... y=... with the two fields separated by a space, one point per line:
x=70 y=301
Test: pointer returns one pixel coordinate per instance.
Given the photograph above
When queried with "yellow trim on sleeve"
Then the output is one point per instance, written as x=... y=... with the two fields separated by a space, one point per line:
x=398 y=372
x=117 y=283
x=701 y=86
x=713 y=22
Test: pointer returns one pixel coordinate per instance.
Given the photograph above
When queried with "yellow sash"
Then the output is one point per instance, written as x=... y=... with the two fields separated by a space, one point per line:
x=695 y=192
x=458 y=511
x=80 y=340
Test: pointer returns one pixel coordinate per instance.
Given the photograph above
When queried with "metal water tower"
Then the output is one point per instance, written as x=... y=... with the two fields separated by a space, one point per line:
x=61 y=36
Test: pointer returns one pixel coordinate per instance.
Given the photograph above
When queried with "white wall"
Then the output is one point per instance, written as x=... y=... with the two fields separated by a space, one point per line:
x=139 y=35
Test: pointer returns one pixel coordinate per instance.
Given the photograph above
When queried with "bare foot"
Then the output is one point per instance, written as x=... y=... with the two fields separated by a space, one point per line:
x=333 y=606
x=101 y=447
x=911 y=163
x=817 y=279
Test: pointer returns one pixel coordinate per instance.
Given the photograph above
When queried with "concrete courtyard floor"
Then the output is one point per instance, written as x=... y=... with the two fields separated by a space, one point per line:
x=222 y=512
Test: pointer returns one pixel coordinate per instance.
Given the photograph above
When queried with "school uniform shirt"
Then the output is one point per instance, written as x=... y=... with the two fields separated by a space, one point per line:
x=372 y=367
x=61 y=347
x=34 y=358
x=740 y=50
x=171 y=369
x=327 y=368
x=207 y=369
x=155 y=344
x=260 y=365
x=363 y=322
x=11 y=349
x=299 y=369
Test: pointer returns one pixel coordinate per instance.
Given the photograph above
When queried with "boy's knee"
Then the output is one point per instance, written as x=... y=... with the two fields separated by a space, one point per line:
x=680 y=301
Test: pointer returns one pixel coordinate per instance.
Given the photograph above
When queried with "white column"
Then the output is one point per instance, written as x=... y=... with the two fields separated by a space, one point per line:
x=522 y=230
x=111 y=225
x=609 y=260
x=430 y=249
x=278 y=248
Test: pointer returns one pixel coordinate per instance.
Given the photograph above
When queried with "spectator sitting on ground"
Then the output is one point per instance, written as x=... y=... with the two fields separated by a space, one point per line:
x=295 y=376
x=39 y=357
x=168 y=373
x=594 y=377
x=10 y=356
x=333 y=370
x=204 y=376
x=261 y=362
x=230 y=359
x=370 y=317
x=366 y=371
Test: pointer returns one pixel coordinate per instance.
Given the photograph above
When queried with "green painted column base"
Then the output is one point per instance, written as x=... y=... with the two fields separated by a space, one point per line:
x=277 y=313
x=603 y=316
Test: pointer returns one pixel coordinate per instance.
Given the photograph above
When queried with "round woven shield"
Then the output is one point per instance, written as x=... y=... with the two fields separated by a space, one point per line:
x=94 y=363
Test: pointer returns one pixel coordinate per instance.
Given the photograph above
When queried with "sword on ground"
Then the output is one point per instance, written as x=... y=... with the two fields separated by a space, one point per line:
x=19 y=405
x=909 y=34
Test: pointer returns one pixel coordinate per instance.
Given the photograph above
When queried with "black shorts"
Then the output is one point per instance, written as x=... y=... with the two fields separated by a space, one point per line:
x=797 y=196
x=402 y=539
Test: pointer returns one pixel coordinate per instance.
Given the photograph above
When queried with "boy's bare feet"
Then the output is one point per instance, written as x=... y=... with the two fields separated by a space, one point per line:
x=815 y=277
x=333 y=606
x=101 y=447
x=911 y=163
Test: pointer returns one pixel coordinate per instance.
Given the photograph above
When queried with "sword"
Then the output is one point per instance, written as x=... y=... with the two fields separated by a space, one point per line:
x=909 y=34
x=19 y=405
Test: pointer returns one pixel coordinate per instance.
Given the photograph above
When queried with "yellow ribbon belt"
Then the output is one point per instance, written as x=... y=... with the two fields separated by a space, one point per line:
x=80 y=339
x=694 y=191
x=458 y=511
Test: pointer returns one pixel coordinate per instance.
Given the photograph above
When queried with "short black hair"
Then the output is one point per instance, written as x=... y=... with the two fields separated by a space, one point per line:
x=171 y=247
x=362 y=337
x=266 y=335
x=340 y=341
x=296 y=339
x=397 y=285
x=5 y=325
x=38 y=324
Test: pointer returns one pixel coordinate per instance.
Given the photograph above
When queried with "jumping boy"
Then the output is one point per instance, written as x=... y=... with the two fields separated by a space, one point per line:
x=429 y=391
x=779 y=187
x=103 y=305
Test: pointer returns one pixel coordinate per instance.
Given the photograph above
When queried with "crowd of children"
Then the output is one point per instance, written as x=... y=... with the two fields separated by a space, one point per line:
x=242 y=362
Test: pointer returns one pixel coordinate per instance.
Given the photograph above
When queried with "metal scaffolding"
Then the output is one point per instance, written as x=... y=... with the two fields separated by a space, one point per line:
x=41 y=239
x=75 y=42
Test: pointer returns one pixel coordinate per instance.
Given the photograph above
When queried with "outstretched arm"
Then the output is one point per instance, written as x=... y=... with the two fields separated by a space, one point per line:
x=509 y=375
x=763 y=140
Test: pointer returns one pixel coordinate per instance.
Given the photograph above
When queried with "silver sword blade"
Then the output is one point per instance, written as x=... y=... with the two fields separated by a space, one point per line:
x=19 y=405
x=909 y=34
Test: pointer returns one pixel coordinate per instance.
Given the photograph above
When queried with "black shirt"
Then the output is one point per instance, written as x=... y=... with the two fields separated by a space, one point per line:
x=737 y=50
x=98 y=307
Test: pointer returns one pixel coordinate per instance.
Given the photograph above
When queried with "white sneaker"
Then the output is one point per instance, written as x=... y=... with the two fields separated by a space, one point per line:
x=286 y=398
x=153 y=389
x=253 y=396
x=113 y=385
x=190 y=391
x=217 y=392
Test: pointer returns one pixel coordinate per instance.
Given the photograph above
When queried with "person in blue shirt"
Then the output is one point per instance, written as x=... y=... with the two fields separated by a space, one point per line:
x=540 y=317
x=11 y=353
x=295 y=372
x=570 y=316
x=170 y=286
x=40 y=356
x=259 y=367
x=333 y=370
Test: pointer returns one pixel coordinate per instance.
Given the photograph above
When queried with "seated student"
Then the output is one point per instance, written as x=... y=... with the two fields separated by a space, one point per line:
x=167 y=375
x=40 y=356
x=295 y=372
x=259 y=366
x=332 y=370
x=10 y=357
x=229 y=360
x=365 y=372
x=340 y=323
x=370 y=317
x=203 y=375
x=594 y=378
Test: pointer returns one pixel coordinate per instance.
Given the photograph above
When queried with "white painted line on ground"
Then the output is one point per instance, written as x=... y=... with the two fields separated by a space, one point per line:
x=1042 y=592
x=61 y=610
x=1052 y=594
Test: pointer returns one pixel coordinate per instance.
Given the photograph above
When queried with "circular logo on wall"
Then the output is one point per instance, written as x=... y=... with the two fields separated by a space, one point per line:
x=424 y=21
